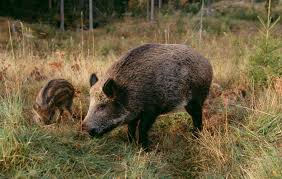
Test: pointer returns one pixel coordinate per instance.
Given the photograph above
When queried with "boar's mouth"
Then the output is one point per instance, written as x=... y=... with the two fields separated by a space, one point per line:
x=99 y=133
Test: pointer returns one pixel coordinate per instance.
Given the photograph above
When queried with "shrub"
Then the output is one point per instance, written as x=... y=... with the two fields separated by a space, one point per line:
x=214 y=25
x=136 y=7
x=193 y=8
x=180 y=24
x=110 y=48
x=266 y=63
x=237 y=10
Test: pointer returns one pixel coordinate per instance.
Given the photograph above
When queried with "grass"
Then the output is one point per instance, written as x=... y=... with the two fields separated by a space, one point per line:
x=242 y=136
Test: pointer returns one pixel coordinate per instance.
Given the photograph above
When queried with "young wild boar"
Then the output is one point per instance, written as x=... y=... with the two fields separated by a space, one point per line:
x=57 y=94
x=149 y=80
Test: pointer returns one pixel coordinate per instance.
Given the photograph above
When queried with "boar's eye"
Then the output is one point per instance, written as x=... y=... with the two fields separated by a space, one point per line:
x=101 y=107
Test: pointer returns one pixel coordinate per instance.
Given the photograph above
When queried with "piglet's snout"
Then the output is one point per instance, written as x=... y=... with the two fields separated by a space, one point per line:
x=84 y=127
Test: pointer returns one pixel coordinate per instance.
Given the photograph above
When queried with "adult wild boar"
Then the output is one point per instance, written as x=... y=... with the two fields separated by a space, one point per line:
x=149 y=80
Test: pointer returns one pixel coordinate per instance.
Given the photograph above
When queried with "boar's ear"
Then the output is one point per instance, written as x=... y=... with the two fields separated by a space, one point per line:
x=110 y=88
x=93 y=79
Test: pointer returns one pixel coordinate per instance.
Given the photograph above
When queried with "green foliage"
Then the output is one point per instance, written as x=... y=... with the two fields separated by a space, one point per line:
x=110 y=29
x=136 y=7
x=37 y=11
x=214 y=25
x=243 y=13
x=266 y=63
x=110 y=48
x=168 y=9
x=237 y=10
x=180 y=24
x=192 y=8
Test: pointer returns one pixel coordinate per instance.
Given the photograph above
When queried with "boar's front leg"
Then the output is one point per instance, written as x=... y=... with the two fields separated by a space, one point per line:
x=132 y=125
x=194 y=108
x=146 y=122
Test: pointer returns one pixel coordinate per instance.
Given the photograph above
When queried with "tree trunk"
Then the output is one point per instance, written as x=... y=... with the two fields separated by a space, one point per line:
x=160 y=4
x=152 y=10
x=81 y=4
x=50 y=4
x=201 y=24
x=62 y=26
x=90 y=15
x=209 y=2
x=148 y=10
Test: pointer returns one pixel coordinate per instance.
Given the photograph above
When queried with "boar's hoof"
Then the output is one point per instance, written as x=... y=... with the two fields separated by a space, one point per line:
x=195 y=133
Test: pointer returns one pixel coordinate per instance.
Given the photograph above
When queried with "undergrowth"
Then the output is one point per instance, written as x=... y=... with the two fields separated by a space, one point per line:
x=266 y=63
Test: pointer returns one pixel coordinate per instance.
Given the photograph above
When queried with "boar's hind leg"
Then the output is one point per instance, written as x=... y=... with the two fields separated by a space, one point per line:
x=147 y=120
x=132 y=125
x=194 y=108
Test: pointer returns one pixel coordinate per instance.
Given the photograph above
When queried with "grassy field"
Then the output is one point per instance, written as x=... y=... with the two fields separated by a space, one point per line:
x=242 y=136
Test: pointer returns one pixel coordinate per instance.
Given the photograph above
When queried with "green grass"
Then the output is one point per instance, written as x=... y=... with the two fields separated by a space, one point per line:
x=30 y=151
x=248 y=149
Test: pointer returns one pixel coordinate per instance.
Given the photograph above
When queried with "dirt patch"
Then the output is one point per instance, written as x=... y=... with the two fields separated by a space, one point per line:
x=224 y=106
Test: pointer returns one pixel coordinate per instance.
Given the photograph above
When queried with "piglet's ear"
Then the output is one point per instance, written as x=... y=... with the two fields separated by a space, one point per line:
x=35 y=106
x=51 y=103
x=93 y=79
x=110 y=88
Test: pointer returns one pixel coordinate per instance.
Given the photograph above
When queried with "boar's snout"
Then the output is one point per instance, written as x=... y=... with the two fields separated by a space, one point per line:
x=94 y=132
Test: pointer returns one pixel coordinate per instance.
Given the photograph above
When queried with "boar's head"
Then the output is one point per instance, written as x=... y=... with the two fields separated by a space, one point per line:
x=106 y=110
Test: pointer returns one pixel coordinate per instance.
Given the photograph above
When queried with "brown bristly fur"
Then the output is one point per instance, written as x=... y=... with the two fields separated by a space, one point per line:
x=57 y=94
